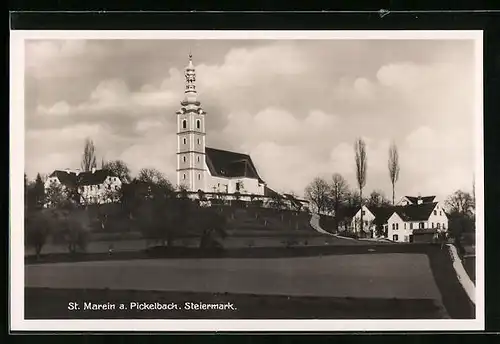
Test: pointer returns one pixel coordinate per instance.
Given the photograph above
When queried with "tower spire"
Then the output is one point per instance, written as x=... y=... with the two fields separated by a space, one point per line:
x=190 y=75
x=191 y=170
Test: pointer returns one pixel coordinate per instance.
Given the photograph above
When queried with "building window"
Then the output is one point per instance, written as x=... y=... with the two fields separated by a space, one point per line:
x=397 y=225
x=198 y=124
x=411 y=225
x=406 y=238
x=435 y=212
x=405 y=225
x=432 y=225
x=444 y=227
x=184 y=124
x=363 y=212
x=198 y=158
x=184 y=140
x=183 y=159
x=395 y=237
x=421 y=225
x=184 y=176
x=198 y=141
x=199 y=176
x=440 y=213
x=439 y=226
x=393 y=226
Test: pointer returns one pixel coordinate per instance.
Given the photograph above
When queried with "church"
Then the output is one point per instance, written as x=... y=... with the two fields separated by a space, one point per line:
x=204 y=168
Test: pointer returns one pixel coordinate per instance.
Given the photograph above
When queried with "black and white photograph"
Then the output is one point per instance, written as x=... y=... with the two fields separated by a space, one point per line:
x=243 y=180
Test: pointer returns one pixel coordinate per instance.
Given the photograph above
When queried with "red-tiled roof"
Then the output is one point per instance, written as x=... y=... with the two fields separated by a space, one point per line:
x=222 y=163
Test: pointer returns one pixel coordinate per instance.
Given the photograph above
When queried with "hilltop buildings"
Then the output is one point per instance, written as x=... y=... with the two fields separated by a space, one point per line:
x=208 y=169
x=93 y=187
x=412 y=219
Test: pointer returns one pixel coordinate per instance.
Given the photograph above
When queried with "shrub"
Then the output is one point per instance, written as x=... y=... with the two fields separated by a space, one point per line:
x=37 y=229
x=71 y=226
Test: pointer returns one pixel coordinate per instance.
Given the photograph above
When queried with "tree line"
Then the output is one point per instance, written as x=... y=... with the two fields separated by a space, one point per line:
x=335 y=196
x=160 y=213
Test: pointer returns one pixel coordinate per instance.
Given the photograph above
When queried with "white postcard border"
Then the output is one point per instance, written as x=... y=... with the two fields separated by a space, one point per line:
x=17 y=321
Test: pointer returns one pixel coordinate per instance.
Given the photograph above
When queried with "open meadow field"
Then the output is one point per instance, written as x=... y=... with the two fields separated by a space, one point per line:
x=363 y=284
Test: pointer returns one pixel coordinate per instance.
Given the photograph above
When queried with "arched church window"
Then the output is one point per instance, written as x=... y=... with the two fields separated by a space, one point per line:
x=184 y=124
x=199 y=176
x=198 y=159
x=184 y=176
x=198 y=141
x=183 y=159
x=198 y=124
x=184 y=140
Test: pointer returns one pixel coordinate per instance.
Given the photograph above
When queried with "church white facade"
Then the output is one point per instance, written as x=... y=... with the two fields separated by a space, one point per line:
x=203 y=168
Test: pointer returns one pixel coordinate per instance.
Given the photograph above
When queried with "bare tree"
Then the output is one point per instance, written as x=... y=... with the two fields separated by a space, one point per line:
x=461 y=216
x=461 y=202
x=55 y=195
x=154 y=177
x=119 y=168
x=393 y=165
x=338 y=194
x=361 y=166
x=318 y=193
x=352 y=199
x=89 y=156
x=377 y=199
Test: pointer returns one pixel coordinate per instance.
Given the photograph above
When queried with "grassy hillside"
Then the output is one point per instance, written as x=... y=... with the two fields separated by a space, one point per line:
x=251 y=221
x=327 y=223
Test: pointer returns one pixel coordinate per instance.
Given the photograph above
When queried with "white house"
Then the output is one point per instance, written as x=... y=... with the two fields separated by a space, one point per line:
x=93 y=187
x=406 y=222
x=203 y=168
x=373 y=217
x=368 y=220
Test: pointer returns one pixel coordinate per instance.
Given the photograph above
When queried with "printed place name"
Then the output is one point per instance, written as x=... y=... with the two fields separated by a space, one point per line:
x=150 y=306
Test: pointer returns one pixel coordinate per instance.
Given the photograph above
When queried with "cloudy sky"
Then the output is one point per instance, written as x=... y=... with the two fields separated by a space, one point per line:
x=295 y=106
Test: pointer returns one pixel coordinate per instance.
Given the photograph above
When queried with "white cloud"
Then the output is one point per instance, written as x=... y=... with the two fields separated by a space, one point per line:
x=56 y=58
x=294 y=107
x=156 y=153
x=58 y=109
x=114 y=96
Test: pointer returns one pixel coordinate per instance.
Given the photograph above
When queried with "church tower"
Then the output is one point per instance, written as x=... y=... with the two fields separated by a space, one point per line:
x=191 y=172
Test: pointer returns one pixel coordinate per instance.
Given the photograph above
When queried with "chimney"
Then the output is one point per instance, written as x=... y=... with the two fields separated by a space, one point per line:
x=93 y=169
x=77 y=171
x=419 y=201
x=67 y=170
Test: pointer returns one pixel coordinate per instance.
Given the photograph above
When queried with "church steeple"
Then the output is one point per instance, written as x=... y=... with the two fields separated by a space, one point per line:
x=191 y=169
x=190 y=75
